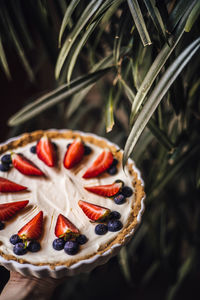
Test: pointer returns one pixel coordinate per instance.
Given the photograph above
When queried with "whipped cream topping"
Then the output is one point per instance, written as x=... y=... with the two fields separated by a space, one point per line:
x=59 y=192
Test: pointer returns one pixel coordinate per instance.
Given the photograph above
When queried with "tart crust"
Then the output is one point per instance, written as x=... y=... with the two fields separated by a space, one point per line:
x=137 y=184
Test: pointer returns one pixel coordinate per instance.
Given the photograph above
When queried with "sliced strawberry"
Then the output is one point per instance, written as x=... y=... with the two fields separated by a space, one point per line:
x=65 y=227
x=25 y=166
x=46 y=151
x=94 y=212
x=107 y=190
x=74 y=154
x=8 y=210
x=8 y=186
x=101 y=164
x=33 y=229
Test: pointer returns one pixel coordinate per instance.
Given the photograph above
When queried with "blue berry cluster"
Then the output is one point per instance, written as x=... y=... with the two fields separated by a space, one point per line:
x=21 y=247
x=6 y=162
x=71 y=246
x=125 y=192
x=113 y=224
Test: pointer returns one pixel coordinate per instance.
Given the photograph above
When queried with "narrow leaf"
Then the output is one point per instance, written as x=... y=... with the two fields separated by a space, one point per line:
x=78 y=98
x=86 y=15
x=3 y=60
x=129 y=92
x=183 y=271
x=55 y=97
x=156 y=96
x=123 y=262
x=18 y=46
x=119 y=36
x=139 y=22
x=181 y=8
x=193 y=17
x=157 y=66
x=78 y=48
x=109 y=112
x=66 y=18
x=155 y=16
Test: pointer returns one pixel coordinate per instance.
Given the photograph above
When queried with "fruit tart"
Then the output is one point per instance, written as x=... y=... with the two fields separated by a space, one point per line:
x=66 y=203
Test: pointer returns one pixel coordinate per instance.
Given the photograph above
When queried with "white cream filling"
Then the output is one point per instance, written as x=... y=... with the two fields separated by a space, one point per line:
x=58 y=193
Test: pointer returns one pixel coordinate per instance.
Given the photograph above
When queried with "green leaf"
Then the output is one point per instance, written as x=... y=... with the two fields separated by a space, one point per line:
x=78 y=98
x=17 y=44
x=84 y=18
x=21 y=22
x=124 y=264
x=129 y=92
x=156 y=67
x=156 y=17
x=139 y=22
x=181 y=8
x=160 y=135
x=156 y=96
x=3 y=60
x=193 y=17
x=102 y=10
x=109 y=112
x=122 y=28
x=66 y=19
x=54 y=97
x=184 y=270
x=198 y=176
x=78 y=48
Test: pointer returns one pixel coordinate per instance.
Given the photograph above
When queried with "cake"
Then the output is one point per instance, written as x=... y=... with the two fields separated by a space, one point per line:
x=65 y=201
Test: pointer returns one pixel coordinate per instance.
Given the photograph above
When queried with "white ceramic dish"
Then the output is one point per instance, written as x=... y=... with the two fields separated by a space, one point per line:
x=82 y=266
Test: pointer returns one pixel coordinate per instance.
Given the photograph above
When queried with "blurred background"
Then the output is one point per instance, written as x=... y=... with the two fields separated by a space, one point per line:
x=128 y=71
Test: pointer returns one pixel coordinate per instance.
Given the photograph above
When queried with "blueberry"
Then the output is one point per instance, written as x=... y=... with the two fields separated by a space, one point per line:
x=114 y=225
x=58 y=244
x=101 y=229
x=81 y=239
x=127 y=191
x=33 y=149
x=71 y=247
x=115 y=162
x=20 y=249
x=87 y=149
x=6 y=159
x=114 y=215
x=112 y=170
x=68 y=145
x=120 y=199
x=14 y=239
x=1 y=225
x=34 y=246
x=4 y=167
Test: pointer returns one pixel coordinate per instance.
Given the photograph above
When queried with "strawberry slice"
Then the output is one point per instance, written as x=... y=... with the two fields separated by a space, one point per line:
x=8 y=186
x=33 y=229
x=46 y=151
x=64 y=227
x=25 y=166
x=101 y=164
x=74 y=154
x=94 y=212
x=107 y=190
x=7 y=210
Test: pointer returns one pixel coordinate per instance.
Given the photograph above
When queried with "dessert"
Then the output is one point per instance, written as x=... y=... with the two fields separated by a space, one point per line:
x=78 y=204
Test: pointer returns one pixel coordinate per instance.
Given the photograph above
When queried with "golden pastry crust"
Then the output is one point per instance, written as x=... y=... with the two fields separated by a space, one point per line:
x=132 y=222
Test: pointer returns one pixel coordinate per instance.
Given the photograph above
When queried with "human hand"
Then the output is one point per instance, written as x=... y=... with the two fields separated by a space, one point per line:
x=26 y=288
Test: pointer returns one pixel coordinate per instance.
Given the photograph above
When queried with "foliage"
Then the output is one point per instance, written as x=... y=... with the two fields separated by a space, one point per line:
x=129 y=70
